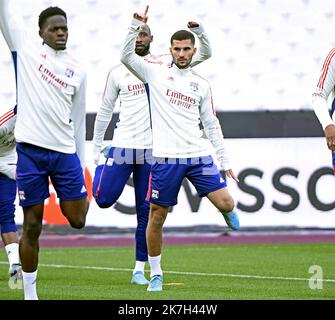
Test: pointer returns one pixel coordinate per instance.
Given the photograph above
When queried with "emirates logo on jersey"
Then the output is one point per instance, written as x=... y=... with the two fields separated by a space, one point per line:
x=51 y=78
x=137 y=89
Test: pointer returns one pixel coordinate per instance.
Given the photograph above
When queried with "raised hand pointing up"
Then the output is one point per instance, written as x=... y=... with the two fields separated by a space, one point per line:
x=142 y=16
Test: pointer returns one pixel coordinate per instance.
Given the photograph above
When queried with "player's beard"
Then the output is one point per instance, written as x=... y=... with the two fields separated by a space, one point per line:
x=185 y=64
x=143 y=50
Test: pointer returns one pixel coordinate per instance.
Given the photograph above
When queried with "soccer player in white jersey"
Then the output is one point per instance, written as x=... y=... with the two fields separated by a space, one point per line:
x=178 y=98
x=50 y=128
x=326 y=88
x=8 y=159
x=132 y=141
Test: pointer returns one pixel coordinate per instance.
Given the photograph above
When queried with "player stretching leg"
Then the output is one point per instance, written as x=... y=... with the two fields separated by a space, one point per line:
x=131 y=149
x=179 y=97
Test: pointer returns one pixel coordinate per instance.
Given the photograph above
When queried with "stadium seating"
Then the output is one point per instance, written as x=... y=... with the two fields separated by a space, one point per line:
x=267 y=54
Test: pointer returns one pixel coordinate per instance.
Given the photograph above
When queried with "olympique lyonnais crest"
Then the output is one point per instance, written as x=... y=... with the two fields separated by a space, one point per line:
x=69 y=73
x=194 y=86
x=155 y=194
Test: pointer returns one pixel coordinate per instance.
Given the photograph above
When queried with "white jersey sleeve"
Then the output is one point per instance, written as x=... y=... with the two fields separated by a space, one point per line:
x=8 y=157
x=105 y=112
x=8 y=170
x=129 y=58
x=213 y=130
x=324 y=87
x=10 y=27
x=78 y=116
x=50 y=90
x=7 y=123
x=204 y=51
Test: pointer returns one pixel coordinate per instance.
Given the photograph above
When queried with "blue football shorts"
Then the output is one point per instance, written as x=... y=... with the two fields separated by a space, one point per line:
x=37 y=165
x=167 y=176
x=111 y=178
x=7 y=206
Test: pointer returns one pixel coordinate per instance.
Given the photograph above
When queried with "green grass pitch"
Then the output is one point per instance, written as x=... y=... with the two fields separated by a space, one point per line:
x=191 y=272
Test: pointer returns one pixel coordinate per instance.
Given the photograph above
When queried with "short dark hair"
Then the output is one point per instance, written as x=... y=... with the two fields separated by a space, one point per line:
x=50 y=12
x=145 y=28
x=183 y=35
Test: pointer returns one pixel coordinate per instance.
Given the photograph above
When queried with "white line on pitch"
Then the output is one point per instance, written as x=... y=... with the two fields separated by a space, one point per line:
x=224 y=275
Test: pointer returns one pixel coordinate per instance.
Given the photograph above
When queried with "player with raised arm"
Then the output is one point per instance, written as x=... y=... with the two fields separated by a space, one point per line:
x=50 y=129
x=8 y=159
x=130 y=152
x=326 y=87
x=179 y=99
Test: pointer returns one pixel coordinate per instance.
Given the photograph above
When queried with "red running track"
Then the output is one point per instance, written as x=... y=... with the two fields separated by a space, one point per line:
x=122 y=240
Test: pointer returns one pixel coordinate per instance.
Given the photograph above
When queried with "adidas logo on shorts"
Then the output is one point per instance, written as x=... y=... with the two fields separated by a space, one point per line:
x=22 y=195
x=83 y=189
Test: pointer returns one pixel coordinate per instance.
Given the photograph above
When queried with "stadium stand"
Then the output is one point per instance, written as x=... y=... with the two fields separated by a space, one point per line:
x=266 y=54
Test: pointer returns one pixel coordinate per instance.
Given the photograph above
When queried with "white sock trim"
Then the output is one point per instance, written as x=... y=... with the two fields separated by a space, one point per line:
x=29 y=285
x=12 y=251
x=155 y=266
x=139 y=266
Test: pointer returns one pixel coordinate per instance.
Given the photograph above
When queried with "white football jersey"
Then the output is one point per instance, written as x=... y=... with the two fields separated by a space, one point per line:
x=133 y=129
x=178 y=100
x=51 y=89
